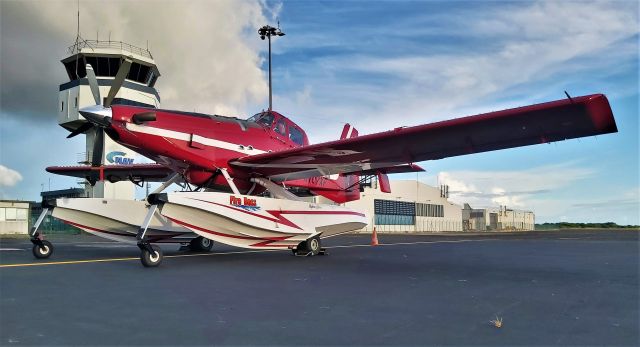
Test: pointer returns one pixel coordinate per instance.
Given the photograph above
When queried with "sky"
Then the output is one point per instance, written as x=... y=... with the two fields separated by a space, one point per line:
x=374 y=64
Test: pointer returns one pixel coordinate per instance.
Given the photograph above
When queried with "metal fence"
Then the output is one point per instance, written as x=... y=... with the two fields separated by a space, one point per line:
x=109 y=44
x=52 y=225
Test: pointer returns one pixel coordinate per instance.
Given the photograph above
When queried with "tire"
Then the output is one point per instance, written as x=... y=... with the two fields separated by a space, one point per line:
x=151 y=260
x=43 y=252
x=313 y=245
x=201 y=244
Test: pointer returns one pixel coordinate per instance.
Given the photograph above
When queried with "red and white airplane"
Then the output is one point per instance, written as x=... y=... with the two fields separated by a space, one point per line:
x=235 y=162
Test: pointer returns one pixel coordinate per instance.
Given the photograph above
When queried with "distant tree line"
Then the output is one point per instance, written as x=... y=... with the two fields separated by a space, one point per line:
x=568 y=225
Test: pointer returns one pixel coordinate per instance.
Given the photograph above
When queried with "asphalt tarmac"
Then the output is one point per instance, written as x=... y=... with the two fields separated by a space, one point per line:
x=548 y=288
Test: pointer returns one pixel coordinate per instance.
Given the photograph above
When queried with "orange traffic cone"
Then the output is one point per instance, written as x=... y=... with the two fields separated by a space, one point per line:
x=374 y=237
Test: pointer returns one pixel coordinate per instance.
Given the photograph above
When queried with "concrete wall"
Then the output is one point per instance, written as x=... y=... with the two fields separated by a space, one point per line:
x=14 y=217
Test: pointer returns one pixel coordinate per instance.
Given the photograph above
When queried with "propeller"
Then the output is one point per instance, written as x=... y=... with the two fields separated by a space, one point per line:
x=99 y=115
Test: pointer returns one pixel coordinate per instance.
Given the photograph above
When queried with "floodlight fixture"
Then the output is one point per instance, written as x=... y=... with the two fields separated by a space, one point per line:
x=268 y=31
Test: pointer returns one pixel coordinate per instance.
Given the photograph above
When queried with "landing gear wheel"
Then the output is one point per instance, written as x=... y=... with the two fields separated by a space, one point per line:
x=201 y=244
x=151 y=259
x=42 y=250
x=313 y=245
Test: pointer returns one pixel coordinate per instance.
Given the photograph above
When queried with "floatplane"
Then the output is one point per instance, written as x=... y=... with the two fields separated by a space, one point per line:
x=249 y=174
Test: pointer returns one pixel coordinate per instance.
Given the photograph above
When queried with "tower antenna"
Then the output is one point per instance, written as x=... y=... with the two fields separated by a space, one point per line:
x=75 y=46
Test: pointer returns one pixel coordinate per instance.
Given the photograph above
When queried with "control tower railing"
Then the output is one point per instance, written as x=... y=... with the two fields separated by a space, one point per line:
x=75 y=48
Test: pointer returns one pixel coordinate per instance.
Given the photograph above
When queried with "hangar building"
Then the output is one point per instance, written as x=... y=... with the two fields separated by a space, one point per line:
x=411 y=206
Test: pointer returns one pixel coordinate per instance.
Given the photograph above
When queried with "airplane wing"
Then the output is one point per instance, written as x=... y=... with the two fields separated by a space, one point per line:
x=541 y=123
x=115 y=173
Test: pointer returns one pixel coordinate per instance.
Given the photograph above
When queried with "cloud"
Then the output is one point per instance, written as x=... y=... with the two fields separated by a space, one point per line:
x=207 y=51
x=9 y=177
x=504 y=48
x=490 y=188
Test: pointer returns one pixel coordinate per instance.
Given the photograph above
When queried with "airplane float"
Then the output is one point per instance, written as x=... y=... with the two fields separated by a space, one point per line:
x=249 y=174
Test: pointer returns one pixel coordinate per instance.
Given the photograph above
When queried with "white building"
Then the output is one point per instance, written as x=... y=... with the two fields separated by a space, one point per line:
x=497 y=219
x=411 y=207
x=14 y=217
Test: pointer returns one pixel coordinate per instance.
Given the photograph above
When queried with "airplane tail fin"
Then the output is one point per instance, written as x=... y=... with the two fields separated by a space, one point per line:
x=349 y=183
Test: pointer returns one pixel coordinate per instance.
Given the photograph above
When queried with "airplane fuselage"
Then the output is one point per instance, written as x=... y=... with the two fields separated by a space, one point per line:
x=197 y=145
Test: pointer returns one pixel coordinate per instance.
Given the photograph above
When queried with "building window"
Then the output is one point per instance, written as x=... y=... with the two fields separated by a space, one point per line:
x=402 y=208
x=21 y=214
x=430 y=210
x=11 y=213
x=61 y=106
x=390 y=212
x=391 y=219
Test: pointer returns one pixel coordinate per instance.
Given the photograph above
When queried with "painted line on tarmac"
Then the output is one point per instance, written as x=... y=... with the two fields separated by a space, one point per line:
x=11 y=249
x=69 y=262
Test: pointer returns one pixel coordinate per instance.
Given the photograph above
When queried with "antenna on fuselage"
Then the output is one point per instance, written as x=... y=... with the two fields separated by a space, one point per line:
x=268 y=31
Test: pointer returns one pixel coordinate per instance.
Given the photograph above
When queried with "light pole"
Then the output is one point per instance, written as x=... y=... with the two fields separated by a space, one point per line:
x=268 y=31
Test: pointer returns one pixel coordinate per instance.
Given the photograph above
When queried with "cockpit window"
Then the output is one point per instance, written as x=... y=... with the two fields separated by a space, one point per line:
x=281 y=127
x=265 y=119
x=296 y=135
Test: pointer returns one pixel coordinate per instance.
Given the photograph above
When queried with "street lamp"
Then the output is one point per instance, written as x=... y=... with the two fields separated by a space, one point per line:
x=268 y=31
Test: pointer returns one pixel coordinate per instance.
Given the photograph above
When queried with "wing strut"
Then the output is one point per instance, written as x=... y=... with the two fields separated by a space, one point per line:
x=275 y=189
x=230 y=181
x=174 y=178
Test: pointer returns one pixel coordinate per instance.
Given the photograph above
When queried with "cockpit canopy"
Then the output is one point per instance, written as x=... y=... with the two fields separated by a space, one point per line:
x=281 y=125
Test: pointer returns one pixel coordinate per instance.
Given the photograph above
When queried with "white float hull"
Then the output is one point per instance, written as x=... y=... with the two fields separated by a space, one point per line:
x=257 y=222
x=118 y=220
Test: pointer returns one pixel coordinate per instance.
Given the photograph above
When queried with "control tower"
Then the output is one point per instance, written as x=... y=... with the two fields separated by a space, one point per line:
x=105 y=57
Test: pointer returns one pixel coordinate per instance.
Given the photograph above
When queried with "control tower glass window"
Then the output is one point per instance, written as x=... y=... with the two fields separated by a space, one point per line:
x=71 y=67
x=114 y=65
x=103 y=66
x=133 y=73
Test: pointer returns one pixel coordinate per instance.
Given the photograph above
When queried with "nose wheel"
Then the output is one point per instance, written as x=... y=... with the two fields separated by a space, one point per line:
x=150 y=255
x=42 y=249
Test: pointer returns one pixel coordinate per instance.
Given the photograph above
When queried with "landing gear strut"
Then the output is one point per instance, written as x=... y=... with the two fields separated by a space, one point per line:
x=42 y=249
x=150 y=255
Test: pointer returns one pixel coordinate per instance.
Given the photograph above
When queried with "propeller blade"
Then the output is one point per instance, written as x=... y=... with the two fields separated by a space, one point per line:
x=93 y=83
x=118 y=81
x=81 y=129
x=97 y=115
x=98 y=147
x=140 y=118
